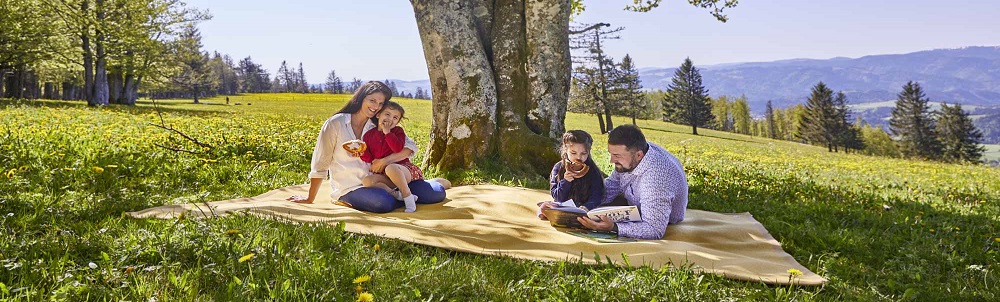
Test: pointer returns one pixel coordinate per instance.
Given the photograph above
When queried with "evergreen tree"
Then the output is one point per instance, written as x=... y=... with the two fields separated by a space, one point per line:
x=630 y=89
x=688 y=102
x=419 y=94
x=772 y=124
x=195 y=76
x=820 y=123
x=959 y=138
x=332 y=80
x=912 y=123
x=283 y=79
x=300 y=81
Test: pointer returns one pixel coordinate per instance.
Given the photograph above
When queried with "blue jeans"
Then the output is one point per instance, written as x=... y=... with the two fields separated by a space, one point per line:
x=379 y=201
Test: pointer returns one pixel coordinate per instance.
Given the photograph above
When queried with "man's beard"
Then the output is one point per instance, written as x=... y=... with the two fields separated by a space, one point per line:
x=623 y=169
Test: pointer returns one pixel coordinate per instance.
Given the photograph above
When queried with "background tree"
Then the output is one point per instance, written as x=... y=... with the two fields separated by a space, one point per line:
x=877 y=142
x=846 y=135
x=722 y=111
x=629 y=89
x=819 y=123
x=332 y=83
x=770 y=122
x=959 y=138
x=687 y=102
x=419 y=94
x=595 y=69
x=283 y=79
x=301 y=85
x=195 y=75
x=913 y=124
x=585 y=94
x=253 y=78
x=355 y=83
x=742 y=121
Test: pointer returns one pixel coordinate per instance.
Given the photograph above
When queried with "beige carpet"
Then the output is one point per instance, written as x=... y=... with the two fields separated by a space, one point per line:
x=498 y=220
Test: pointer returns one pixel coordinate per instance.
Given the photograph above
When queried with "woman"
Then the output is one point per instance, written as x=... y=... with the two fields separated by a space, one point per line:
x=347 y=169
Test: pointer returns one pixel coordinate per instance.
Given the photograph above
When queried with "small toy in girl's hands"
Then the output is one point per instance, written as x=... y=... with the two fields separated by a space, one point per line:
x=580 y=169
x=355 y=147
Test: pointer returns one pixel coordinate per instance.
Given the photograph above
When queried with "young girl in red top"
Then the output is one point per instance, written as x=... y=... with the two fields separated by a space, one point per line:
x=388 y=139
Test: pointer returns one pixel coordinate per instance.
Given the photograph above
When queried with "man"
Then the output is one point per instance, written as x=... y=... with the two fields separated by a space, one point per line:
x=649 y=178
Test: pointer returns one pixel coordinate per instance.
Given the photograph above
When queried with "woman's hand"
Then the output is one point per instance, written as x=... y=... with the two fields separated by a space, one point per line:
x=604 y=224
x=546 y=205
x=299 y=199
x=569 y=176
x=378 y=165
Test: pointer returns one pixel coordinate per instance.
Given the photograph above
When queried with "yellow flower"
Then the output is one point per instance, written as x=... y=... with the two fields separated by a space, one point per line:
x=794 y=272
x=232 y=232
x=247 y=257
x=10 y=174
x=97 y=169
x=366 y=297
x=362 y=279
x=996 y=239
x=377 y=248
x=112 y=166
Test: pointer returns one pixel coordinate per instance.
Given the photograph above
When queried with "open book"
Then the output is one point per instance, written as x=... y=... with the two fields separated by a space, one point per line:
x=565 y=216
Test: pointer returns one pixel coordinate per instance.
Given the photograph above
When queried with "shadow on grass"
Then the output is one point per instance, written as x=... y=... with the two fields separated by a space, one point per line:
x=701 y=135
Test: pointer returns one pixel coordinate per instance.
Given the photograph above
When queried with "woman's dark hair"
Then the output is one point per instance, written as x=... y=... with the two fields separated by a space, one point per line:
x=364 y=91
x=579 y=190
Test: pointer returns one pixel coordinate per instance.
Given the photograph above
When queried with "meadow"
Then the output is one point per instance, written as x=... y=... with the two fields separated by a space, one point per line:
x=877 y=228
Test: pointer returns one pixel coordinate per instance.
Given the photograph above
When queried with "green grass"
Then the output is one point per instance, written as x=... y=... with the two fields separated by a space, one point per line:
x=879 y=229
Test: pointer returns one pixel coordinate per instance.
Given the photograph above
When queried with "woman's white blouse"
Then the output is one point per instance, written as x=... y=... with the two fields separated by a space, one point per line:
x=331 y=160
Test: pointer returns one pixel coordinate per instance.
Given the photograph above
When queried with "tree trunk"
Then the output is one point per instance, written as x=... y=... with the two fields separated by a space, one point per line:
x=600 y=120
x=49 y=91
x=131 y=89
x=499 y=73
x=88 y=57
x=694 y=129
x=115 y=87
x=101 y=95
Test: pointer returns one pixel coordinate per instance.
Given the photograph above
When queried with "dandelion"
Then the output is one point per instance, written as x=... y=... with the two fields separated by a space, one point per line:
x=247 y=257
x=376 y=247
x=358 y=289
x=10 y=174
x=996 y=239
x=362 y=279
x=366 y=297
x=232 y=232
x=97 y=170
x=794 y=272
x=111 y=166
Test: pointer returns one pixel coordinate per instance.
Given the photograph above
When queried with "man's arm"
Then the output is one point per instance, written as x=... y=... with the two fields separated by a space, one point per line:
x=654 y=205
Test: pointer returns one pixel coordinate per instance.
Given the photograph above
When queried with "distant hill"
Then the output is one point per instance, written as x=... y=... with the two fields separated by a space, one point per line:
x=968 y=76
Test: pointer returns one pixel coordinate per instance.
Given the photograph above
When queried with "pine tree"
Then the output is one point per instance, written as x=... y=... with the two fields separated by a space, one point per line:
x=912 y=123
x=300 y=81
x=196 y=75
x=283 y=79
x=772 y=129
x=332 y=81
x=819 y=123
x=688 y=102
x=355 y=84
x=959 y=137
x=419 y=94
x=629 y=89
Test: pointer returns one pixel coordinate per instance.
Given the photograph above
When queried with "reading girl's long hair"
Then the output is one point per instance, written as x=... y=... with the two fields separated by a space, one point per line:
x=581 y=189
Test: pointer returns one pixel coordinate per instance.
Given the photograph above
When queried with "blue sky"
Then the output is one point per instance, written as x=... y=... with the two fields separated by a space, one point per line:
x=378 y=39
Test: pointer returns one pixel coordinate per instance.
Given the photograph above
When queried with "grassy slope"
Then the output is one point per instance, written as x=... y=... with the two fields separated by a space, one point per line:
x=879 y=229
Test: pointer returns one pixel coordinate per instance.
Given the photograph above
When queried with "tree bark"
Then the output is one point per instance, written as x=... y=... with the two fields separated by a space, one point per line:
x=88 y=56
x=499 y=73
x=115 y=87
x=600 y=120
x=101 y=95
x=131 y=89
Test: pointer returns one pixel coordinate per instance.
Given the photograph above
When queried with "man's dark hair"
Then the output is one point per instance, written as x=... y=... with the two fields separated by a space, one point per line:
x=630 y=136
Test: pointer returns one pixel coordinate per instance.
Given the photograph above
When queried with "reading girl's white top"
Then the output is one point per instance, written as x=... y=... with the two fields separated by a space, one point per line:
x=331 y=160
